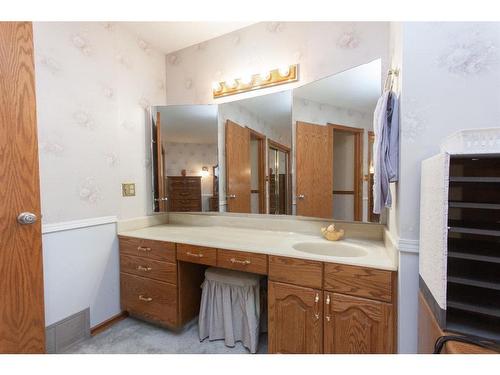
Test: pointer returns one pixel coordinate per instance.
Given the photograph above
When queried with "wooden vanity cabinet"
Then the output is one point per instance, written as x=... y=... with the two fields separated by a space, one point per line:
x=313 y=307
x=354 y=325
x=295 y=319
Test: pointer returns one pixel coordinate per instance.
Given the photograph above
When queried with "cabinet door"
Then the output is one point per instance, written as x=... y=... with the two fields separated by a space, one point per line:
x=295 y=319
x=354 y=325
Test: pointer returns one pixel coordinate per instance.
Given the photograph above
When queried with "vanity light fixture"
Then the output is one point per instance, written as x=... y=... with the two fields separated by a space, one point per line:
x=204 y=172
x=282 y=75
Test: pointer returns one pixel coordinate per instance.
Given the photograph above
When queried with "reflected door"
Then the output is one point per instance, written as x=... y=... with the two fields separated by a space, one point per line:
x=314 y=156
x=160 y=155
x=238 y=170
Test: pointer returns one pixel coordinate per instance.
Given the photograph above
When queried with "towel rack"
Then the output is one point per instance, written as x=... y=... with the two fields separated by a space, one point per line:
x=389 y=80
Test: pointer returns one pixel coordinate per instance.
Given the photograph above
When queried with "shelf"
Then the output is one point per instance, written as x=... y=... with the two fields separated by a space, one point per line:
x=475 y=179
x=476 y=257
x=468 y=230
x=472 y=330
x=483 y=206
x=474 y=282
x=490 y=311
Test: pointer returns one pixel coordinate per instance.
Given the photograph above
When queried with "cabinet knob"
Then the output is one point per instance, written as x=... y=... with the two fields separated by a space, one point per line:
x=145 y=299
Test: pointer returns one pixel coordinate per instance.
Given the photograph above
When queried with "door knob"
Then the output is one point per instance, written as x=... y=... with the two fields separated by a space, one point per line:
x=231 y=196
x=26 y=218
x=300 y=196
x=161 y=199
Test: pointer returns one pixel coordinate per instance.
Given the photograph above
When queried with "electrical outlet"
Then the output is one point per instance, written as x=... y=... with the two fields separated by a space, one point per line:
x=128 y=190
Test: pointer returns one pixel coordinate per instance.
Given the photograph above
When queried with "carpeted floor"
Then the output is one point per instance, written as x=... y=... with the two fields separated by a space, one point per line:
x=132 y=336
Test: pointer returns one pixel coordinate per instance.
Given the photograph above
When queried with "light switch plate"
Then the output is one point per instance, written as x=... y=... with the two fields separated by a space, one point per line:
x=128 y=189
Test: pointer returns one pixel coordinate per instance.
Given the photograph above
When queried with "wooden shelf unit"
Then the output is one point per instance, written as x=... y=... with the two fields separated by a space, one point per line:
x=473 y=265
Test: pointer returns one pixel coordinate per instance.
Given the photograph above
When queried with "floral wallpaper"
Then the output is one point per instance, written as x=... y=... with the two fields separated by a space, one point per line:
x=321 y=49
x=450 y=82
x=94 y=82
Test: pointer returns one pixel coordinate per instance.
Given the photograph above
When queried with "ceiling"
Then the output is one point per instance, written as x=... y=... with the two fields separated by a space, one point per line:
x=173 y=36
x=357 y=88
x=188 y=123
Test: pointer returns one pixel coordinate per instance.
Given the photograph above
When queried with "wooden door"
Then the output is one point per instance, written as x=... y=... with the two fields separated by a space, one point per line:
x=356 y=325
x=238 y=184
x=295 y=319
x=22 y=326
x=314 y=156
x=162 y=203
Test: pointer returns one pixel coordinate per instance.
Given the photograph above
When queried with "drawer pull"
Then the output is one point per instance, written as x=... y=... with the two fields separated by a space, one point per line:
x=145 y=299
x=194 y=255
x=140 y=248
x=244 y=262
x=142 y=268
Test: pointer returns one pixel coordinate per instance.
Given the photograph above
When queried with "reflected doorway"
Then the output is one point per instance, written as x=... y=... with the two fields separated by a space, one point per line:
x=279 y=179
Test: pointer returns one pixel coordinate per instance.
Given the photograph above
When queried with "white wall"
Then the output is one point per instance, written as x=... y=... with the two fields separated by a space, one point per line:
x=81 y=269
x=94 y=82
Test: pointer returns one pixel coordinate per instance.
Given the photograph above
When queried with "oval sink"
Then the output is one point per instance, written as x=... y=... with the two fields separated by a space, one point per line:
x=334 y=249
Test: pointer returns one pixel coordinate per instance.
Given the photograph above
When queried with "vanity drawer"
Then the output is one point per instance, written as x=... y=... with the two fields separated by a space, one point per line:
x=149 y=299
x=359 y=281
x=197 y=254
x=156 y=250
x=296 y=271
x=149 y=268
x=242 y=261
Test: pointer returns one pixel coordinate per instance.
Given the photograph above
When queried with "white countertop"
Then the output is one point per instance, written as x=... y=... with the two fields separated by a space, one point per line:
x=266 y=242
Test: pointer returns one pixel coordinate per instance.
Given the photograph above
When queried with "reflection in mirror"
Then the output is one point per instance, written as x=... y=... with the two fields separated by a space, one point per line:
x=333 y=118
x=185 y=167
x=253 y=128
x=279 y=179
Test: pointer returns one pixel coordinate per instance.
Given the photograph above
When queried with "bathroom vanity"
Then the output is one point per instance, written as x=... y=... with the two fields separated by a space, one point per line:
x=323 y=297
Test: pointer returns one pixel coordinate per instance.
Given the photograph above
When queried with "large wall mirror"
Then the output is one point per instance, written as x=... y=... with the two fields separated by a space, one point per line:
x=257 y=154
x=333 y=120
x=185 y=166
x=306 y=151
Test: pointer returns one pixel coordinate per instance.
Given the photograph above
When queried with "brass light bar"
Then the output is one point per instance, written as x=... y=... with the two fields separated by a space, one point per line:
x=273 y=77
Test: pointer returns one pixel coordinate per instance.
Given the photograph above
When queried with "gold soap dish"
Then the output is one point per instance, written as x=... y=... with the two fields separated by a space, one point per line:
x=331 y=234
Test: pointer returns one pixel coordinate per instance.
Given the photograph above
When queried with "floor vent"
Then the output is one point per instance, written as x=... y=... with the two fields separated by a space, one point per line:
x=67 y=332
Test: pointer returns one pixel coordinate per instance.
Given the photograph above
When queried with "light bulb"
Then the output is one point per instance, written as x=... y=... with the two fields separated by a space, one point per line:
x=246 y=79
x=284 y=71
x=216 y=86
x=265 y=76
x=231 y=83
